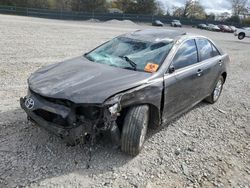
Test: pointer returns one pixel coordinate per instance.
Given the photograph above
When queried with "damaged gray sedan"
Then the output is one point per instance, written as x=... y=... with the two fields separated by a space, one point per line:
x=132 y=82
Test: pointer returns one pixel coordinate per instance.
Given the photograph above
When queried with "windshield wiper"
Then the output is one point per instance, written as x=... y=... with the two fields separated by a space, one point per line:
x=127 y=59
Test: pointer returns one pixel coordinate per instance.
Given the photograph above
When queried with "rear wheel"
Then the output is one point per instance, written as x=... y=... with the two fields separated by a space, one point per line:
x=216 y=92
x=241 y=36
x=134 y=129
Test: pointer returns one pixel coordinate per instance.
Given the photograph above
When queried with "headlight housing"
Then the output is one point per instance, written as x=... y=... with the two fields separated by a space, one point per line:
x=115 y=109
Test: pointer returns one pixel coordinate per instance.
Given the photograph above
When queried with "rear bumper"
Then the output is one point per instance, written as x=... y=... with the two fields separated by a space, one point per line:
x=70 y=134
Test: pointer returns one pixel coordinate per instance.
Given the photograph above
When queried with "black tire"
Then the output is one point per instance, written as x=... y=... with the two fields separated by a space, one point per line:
x=241 y=36
x=212 y=98
x=134 y=129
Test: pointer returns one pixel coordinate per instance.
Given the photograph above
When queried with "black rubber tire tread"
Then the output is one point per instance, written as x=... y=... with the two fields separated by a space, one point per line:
x=132 y=127
x=210 y=99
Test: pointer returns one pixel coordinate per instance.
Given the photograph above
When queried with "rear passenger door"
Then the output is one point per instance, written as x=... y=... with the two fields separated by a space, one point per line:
x=210 y=64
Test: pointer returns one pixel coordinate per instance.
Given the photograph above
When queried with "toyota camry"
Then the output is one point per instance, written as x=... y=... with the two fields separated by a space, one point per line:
x=137 y=80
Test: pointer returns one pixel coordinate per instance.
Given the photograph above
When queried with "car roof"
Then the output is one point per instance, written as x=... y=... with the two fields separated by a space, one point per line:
x=155 y=35
x=161 y=35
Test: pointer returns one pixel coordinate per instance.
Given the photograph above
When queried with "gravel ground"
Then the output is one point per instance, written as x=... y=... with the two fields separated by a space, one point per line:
x=206 y=147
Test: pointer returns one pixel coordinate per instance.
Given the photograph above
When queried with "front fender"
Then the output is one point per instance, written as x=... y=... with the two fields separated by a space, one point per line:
x=149 y=93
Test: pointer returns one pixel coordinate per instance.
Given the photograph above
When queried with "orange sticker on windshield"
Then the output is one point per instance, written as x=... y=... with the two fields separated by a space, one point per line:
x=151 y=67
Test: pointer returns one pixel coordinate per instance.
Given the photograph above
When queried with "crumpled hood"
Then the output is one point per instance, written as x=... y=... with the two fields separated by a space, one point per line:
x=82 y=81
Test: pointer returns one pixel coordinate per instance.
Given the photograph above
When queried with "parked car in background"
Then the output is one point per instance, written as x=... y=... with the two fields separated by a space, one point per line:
x=225 y=28
x=137 y=80
x=202 y=26
x=242 y=33
x=233 y=28
x=212 y=27
x=157 y=23
x=176 y=23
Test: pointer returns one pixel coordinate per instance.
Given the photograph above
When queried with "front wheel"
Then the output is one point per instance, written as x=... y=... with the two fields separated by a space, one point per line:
x=216 y=92
x=134 y=129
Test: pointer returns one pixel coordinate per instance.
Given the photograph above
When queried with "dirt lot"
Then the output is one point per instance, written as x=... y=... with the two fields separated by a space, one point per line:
x=207 y=147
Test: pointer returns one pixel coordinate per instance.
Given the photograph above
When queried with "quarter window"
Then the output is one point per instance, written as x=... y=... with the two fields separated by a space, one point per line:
x=186 y=55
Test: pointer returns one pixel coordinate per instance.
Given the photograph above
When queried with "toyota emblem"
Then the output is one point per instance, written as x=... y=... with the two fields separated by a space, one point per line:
x=29 y=103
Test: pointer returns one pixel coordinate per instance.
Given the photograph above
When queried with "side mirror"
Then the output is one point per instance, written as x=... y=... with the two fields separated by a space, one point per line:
x=171 y=69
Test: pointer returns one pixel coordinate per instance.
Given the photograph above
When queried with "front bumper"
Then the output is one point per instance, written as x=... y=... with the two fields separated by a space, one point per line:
x=71 y=134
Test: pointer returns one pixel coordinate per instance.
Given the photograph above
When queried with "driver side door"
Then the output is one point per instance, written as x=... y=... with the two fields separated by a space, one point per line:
x=182 y=81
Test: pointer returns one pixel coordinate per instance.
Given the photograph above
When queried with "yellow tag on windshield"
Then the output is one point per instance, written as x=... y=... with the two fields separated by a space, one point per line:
x=151 y=67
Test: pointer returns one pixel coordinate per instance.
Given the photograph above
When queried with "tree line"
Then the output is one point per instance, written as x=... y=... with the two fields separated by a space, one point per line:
x=74 y=5
x=127 y=6
x=190 y=9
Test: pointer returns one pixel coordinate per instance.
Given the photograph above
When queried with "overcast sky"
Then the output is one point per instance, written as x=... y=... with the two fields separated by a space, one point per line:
x=211 y=6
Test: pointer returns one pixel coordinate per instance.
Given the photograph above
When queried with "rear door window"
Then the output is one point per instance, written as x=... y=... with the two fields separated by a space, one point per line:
x=206 y=49
x=215 y=51
x=186 y=55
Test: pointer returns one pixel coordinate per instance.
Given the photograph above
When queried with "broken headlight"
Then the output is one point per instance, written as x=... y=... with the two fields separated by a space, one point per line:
x=114 y=109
